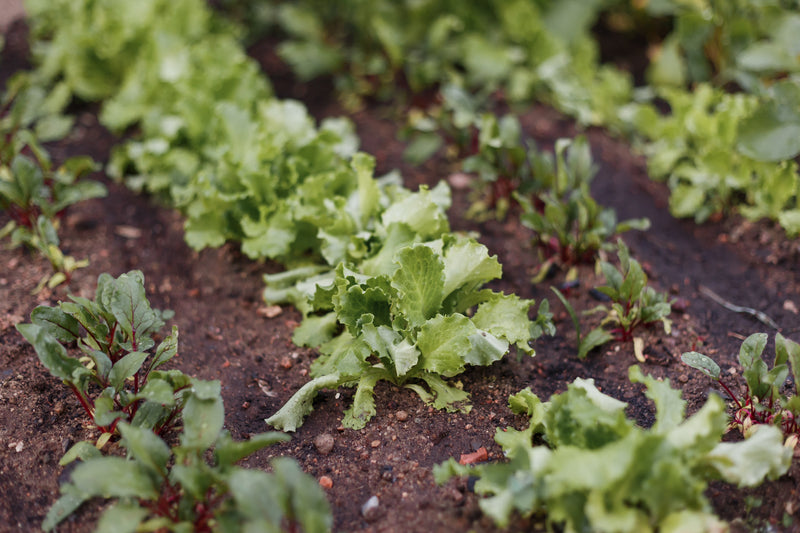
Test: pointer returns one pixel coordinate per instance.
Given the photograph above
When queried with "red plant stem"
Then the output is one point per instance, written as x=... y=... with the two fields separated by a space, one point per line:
x=730 y=393
x=86 y=407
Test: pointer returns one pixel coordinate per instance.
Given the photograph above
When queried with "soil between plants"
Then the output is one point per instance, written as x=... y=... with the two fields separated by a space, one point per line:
x=225 y=334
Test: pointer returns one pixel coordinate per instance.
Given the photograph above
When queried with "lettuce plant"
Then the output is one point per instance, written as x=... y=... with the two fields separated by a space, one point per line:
x=409 y=322
x=570 y=225
x=35 y=195
x=104 y=350
x=162 y=488
x=763 y=401
x=633 y=302
x=600 y=471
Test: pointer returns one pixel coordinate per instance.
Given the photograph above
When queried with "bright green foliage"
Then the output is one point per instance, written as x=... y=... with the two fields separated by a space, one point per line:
x=35 y=195
x=570 y=226
x=750 y=43
x=413 y=316
x=115 y=374
x=176 y=489
x=633 y=302
x=716 y=148
x=764 y=401
x=601 y=472
x=528 y=48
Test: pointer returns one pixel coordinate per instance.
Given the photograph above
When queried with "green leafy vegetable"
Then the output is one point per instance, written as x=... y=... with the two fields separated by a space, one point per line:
x=633 y=302
x=414 y=318
x=36 y=195
x=177 y=489
x=601 y=472
x=116 y=373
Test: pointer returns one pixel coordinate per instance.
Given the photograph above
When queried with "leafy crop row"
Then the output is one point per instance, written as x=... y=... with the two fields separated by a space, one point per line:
x=35 y=194
x=246 y=167
x=118 y=378
x=716 y=150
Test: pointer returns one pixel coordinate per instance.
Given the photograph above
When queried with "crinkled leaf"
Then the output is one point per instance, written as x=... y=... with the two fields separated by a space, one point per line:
x=506 y=316
x=420 y=212
x=394 y=350
x=749 y=462
x=363 y=408
x=443 y=341
x=419 y=282
x=315 y=330
x=228 y=452
x=468 y=263
x=291 y=415
x=445 y=395
x=670 y=407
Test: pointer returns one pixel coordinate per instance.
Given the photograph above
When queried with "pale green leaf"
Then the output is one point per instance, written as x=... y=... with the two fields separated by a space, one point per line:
x=419 y=282
x=291 y=415
x=748 y=463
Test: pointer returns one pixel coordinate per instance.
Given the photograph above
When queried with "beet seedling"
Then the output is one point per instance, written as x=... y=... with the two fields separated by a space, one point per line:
x=633 y=302
x=114 y=373
x=158 y=488
x=570 y=225
x=763 y=401
x=35 y=195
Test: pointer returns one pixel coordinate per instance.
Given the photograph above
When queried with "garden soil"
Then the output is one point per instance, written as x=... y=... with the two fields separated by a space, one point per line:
x=227 y=333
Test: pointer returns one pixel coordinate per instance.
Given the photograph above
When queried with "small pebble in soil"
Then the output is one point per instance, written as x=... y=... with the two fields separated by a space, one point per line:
x=245 y=405
x=370 y=509
x=326 y=482
x=286 y=363
x=375 y=443
x=402 y=416
x=324 y=443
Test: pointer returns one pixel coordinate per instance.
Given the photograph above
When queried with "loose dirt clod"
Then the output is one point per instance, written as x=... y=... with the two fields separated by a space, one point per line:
x=402 y=416
x=326 y=482
x=324 y=443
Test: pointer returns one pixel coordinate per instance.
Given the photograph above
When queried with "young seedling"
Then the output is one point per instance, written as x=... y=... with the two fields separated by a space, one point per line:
x=570 y=225
x=763 y=401
x=35 y=195
x=158 y=488
x=633 y=302
x=112 y=362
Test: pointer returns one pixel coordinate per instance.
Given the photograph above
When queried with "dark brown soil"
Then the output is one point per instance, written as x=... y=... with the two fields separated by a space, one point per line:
x=216 y=298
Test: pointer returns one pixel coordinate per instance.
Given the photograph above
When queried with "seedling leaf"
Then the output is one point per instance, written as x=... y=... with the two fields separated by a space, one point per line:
x=703 y=363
